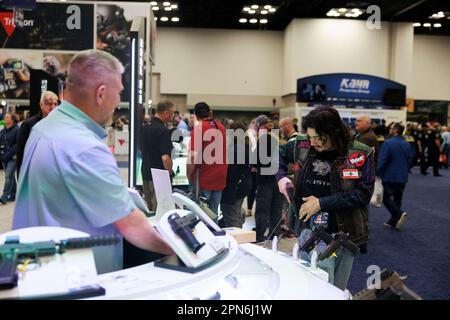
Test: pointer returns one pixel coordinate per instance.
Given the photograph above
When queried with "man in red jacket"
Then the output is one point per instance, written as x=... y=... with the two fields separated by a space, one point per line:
x=207 y=156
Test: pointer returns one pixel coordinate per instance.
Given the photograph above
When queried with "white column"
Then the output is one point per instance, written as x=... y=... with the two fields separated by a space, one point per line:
x=401 y=57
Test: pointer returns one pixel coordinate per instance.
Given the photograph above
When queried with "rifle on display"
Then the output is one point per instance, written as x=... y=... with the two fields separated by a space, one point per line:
x=13 y=253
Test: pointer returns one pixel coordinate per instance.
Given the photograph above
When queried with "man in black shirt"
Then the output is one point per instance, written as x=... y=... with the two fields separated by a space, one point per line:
x=431 y=143
x=48 y=102
x=156 y=148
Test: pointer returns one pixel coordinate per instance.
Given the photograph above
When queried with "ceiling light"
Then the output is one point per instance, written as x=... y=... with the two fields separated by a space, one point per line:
x=254 y=7
x=242 y=20
x=264 y=21
x=246 y=9
x=264 y=12
x=333 y=13
x=438 y=15
x=349 y=15
x=417 y=24
x=164 y=19
x=166 y=4
x=155 y=8
x=426 y=25
x=153 y=3
x=267 y=7
x=253 y=21
x=174 y=6
x=272 y=10
x=342 y=10
x=168 y=8
x=156 y=18
x=356 y=10
x=251 y=11
x=175 y=19
x=437 y=25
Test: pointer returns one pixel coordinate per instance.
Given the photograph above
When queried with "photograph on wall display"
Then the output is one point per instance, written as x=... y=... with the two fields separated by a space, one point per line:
x=54 y=26
x=56 y=65
x=113 y=35
x=15 y=68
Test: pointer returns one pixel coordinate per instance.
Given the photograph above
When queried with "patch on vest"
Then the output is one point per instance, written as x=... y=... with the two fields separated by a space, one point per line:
x=350 y=174
x=303 y=144
x=357 y=159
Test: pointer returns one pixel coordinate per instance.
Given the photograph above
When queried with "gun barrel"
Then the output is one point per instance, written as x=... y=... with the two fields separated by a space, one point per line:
x=88 y=242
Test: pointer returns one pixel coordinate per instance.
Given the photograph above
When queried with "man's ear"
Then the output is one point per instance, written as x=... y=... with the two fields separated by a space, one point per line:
x=100 y=94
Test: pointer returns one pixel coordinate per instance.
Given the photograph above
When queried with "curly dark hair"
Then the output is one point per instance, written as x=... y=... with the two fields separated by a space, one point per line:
x=328 y=123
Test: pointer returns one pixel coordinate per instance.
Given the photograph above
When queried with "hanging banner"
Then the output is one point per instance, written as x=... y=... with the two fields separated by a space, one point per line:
x=351 y=90
x=50 y=26
x=19 y=4
x=113 y=34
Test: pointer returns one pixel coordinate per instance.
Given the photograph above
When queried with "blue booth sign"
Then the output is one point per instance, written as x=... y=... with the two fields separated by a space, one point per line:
x=351 y=90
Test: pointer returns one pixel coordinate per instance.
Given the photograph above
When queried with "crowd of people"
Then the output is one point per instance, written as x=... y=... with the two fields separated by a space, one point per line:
x=333 y=170
x=321 y=176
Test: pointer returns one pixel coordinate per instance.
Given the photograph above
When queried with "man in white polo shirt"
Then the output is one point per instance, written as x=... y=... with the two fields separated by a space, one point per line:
x=69 y=177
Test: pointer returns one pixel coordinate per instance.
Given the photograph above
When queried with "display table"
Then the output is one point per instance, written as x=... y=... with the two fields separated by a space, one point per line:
x=247 y=272
x=71 y=274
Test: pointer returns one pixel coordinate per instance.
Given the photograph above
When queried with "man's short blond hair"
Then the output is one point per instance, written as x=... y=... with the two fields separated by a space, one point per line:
x=46 y=94
x=89 y=67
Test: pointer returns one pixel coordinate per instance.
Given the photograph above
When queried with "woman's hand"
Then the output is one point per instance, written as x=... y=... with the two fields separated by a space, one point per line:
x=309 y=208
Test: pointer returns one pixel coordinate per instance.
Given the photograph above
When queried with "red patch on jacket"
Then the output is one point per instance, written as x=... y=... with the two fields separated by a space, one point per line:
x=357 y=159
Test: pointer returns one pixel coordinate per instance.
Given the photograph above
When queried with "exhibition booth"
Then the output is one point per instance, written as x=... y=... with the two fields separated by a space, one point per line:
x=210 y=263
x=352 y=95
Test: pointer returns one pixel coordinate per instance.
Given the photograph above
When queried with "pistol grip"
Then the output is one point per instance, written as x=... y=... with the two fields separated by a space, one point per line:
x=8 y=274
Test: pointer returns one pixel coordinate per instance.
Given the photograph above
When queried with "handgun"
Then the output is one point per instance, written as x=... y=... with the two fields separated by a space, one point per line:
x=318 y=234
x=392 y=287
x=12 y=252
x=340 y=240
x=183 y=227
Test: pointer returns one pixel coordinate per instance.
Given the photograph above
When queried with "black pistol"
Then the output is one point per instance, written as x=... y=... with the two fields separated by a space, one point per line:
x=340 y=240
x=183 y=227
x=317 y=235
